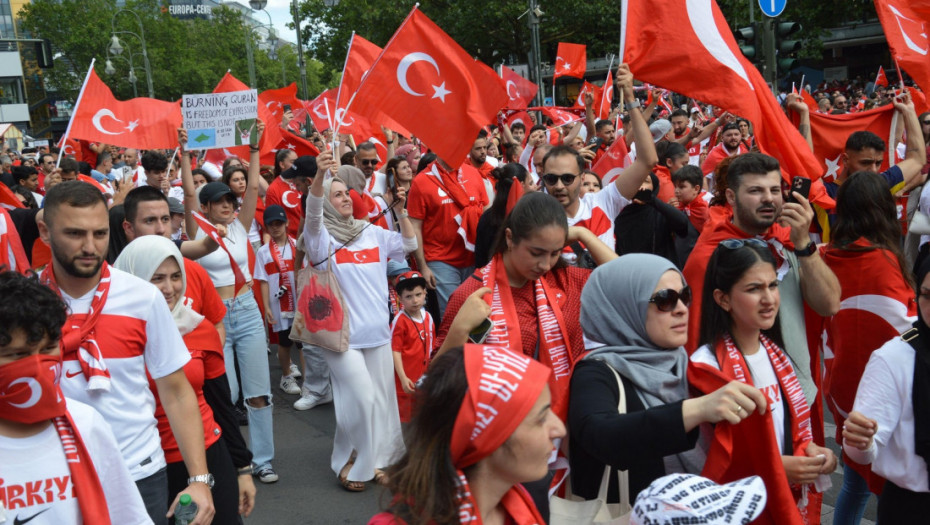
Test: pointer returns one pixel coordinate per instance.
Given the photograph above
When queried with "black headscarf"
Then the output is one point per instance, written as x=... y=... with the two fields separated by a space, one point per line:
x=650 y=227
x=921 y=393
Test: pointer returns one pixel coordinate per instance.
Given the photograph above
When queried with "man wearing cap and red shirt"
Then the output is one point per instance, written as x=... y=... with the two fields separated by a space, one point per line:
x=283 y=192
x=411 y=339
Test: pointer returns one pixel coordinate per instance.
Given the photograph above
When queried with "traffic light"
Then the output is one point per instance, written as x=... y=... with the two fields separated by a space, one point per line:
x=750 y=41
x=786 y=50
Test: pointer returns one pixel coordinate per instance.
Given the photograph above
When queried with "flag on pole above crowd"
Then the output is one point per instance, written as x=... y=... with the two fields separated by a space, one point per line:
x=570 y=61
x=905 y=24
x=520 y=91
x=880 y=78
x=422 y=71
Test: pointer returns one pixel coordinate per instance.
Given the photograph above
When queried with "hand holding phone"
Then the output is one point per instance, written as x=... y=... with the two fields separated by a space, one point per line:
x=801 y=185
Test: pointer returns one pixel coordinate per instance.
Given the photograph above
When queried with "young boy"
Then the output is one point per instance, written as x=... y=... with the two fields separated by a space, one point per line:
x=411 y=339
x=688 y=182
x=58 y=457
x=274 y=271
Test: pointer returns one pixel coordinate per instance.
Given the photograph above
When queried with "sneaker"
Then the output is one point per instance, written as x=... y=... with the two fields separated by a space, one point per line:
x=295 y=371
x=289 y=385
x=266 y=475
x=309 y=401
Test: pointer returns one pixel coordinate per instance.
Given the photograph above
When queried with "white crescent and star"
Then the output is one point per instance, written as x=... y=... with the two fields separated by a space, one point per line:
x=104 y=112
x=340 y=117
x=511 y=83
x=439 y=91
x=316 y=111
x=611 y=175
x=35 y=392
x=833 y=166
x=287 y=203
x=701 y=16
x=910 y=42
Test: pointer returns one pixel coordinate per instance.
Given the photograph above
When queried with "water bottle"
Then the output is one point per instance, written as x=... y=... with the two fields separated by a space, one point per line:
x=186 y=510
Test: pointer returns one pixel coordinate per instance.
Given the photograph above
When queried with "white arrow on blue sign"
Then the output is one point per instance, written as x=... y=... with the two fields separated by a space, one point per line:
x=772 y=7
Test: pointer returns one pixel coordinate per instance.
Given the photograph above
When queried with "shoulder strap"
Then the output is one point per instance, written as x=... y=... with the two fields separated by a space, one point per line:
x=623 y=476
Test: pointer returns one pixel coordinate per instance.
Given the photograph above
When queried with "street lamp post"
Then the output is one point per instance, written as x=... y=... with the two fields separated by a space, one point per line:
x=110 y=70
x=116 y=47
x=300 y=52
x=259 y=5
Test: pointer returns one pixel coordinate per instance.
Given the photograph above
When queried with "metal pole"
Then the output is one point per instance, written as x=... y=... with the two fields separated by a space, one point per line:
x=141 y=37
x=300 y=52
x=535 y=70
x=771 y=61
x=249 y=55
x=276 y=54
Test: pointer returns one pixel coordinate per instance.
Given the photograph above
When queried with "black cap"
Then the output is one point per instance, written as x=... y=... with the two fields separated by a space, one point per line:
x=274 y=213
x=213 y=191
x=303 y=167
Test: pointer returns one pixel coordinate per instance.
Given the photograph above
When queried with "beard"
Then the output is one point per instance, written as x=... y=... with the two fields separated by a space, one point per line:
x=70 y=267
x=753 y=223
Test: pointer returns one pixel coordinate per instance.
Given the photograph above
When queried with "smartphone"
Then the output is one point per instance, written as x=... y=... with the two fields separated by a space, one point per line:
x=801 y=185
x=287 y=107
x=480 y=332
x=596 y=140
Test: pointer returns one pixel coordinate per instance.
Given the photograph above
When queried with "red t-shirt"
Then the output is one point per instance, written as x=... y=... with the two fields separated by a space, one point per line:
x=414 y=341
x=200 y=295
x=696 y=211
x=568 y=281
x=204 y=364
x=430 y=204
x=287 y=196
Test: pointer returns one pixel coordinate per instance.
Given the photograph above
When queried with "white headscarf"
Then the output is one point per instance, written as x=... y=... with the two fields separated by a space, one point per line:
x=143 y=256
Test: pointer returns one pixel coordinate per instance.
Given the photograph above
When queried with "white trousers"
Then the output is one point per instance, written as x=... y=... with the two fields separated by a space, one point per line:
x=367 y=420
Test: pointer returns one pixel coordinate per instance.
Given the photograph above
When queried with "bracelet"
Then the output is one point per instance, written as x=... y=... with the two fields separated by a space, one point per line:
x=630 y=105
x=245 y=470
x=254 y=150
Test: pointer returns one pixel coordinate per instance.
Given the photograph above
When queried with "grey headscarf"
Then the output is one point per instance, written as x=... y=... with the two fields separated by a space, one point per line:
x=353 y=177
x=614 y=304
x=342 y=228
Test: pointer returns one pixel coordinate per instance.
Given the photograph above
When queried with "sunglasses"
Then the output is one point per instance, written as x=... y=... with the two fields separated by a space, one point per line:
x=666 y=300
x=735 y=244
x=369 y=162
x=551 y=179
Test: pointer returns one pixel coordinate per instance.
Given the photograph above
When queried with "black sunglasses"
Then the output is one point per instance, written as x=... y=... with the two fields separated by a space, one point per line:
x=551 y=179
x=666 y=300
x=735 y=244
x=369 y=162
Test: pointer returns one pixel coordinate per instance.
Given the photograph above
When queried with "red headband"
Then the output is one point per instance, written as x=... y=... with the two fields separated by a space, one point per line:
x=502 y=388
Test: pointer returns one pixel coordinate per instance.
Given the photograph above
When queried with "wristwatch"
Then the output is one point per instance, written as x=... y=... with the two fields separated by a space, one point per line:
x=630 y=105
x=807 y=251
x=206 y=479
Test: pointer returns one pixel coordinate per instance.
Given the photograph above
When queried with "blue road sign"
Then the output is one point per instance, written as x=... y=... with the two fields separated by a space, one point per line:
x=772 y=7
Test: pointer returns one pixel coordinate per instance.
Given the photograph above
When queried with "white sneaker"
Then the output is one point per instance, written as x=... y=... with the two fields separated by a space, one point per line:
x=295 y=371
x=306 y=402
x=289 y=385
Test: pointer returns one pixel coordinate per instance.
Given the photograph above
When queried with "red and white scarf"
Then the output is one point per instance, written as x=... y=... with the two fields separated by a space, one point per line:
x=209 y=229
x=517 y=503
x=470 y=210
x=553 y=334
x=78 y=335
x=18 y=402
x=286 y=301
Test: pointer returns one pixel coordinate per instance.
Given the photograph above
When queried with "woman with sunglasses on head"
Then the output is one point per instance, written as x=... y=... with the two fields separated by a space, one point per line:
x=741 y=341
x=637 y=306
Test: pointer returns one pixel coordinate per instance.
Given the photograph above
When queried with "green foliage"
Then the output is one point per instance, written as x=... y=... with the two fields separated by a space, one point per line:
x=186 y=56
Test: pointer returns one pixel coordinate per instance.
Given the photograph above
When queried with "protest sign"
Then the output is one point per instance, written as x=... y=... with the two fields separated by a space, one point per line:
x=220 y=120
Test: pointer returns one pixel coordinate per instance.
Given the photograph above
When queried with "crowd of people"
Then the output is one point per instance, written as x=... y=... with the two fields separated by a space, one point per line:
x=512 y=329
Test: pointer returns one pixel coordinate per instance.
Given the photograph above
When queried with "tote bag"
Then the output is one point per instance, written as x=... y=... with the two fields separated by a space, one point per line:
x=321 y=318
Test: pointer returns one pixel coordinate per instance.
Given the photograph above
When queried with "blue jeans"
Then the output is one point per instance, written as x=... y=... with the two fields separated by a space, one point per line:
x=245 y=342
x=852 y=499
x=154 y=492
x=448 y=278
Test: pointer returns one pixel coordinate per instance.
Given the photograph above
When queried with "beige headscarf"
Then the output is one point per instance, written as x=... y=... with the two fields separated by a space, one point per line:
x=353 y=177
x=344 y=229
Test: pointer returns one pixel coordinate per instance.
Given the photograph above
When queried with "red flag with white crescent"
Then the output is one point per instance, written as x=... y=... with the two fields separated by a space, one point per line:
x=520 y=90
x=571 y=60
x=905 y=23
x=612 y=163
x=272 y=134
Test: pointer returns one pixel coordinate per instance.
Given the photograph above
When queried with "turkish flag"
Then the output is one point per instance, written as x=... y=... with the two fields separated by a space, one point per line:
x=71 y=148
x=703 y=39
x=513 y=116
x=809 y=100
x=607 y=97
x=90 y=180
x=612 y=162
x=321 y=109
x=905 y=24
x=829 y=134
x=570 y=61
x=587 y=87
x=12 y=255
x=520 y=90
x=457 y=93
x=272 y=134
x=8 y=199
x=880 y=78
x=299 y=145
x=142 y=123
x=274 y=101
x=209 y=229
x=559 y=116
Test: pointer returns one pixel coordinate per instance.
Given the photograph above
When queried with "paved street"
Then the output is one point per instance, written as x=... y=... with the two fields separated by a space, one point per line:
x=308 y=492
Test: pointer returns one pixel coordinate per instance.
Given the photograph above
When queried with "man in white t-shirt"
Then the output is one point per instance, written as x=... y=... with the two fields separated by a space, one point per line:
x=598 y=211
x=366 y=159
x=120 y=329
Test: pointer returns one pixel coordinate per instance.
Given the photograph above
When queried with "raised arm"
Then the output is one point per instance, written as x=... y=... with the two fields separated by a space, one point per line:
x=191 y=204
x=250 y=199
x=794 y=103
x=631 y=179
x=916 y=154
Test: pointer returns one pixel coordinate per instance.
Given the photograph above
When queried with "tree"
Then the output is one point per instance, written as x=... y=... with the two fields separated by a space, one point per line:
x=186 y=56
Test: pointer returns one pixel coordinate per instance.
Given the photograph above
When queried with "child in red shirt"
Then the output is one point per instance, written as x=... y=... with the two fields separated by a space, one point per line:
x=688 y=182
x=411 y=339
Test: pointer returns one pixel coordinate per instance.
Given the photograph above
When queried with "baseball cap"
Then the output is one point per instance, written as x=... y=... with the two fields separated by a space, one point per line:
x=688 y=498
x=660 y=129
x=303 y=167
x=395 y=268
x=274 y=213
x=213 y=191
x=175 y=206
x=409 y=280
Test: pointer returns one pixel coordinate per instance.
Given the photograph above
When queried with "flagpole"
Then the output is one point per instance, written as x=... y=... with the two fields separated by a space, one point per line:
x=604 y=89
x=341 y=80
x=900 y=73
x=77 y=104
x=373 y=64
x=802 y=83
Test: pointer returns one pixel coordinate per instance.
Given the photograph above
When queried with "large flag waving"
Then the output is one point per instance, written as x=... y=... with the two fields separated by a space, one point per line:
x=705 y=41
x=520 y=90
x=432 y=87
x=143 y=123
x=905 y=23
x=570 y=61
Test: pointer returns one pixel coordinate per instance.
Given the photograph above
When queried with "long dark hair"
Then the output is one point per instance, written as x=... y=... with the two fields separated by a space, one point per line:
x=532 y=212
x=506 y=176
x=668 y=150
x=423 y=481
x=117 y=214
x=725 y=268
x=865 y=208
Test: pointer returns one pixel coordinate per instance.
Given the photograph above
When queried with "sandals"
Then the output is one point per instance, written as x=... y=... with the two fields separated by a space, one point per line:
x=381 y=477
x=351 y=486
